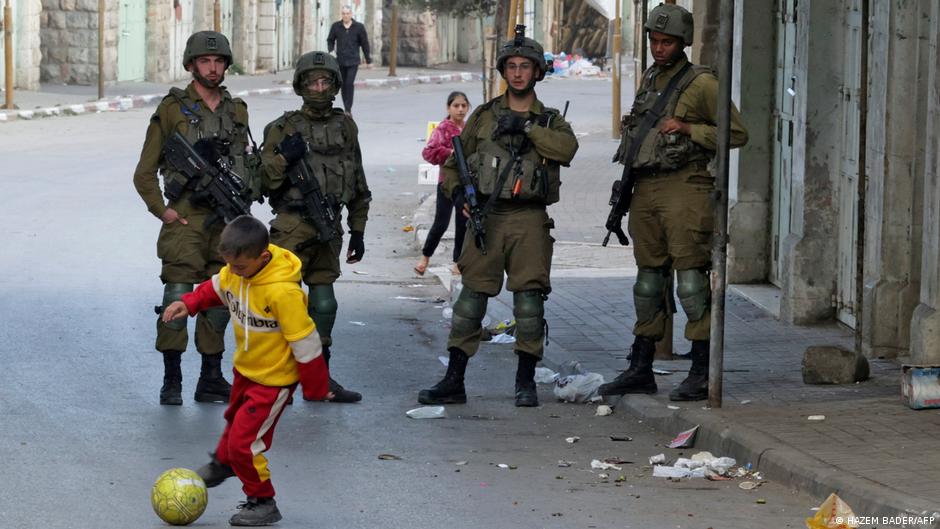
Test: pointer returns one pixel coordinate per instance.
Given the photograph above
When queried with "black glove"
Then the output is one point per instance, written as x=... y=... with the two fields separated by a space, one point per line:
x=510 y=124
x=292 y=148
x=356 y=248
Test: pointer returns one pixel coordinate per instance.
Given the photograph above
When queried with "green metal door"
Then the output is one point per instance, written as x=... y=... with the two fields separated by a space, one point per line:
x=132 y=42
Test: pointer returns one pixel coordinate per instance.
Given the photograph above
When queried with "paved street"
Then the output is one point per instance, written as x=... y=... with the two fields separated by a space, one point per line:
x=85 y=436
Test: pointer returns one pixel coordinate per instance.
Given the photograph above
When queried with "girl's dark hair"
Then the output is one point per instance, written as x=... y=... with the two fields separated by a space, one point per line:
x=454 y=95
x=245 y=235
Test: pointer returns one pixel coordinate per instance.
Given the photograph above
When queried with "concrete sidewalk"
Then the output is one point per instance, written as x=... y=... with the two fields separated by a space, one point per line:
x=69 y=100
x=873 y=451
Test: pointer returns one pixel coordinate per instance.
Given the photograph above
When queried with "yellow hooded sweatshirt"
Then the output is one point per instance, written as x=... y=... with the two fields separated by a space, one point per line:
x=276 y=342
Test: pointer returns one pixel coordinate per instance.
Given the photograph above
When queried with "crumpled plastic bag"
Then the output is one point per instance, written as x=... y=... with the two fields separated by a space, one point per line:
x=578 y=388
x=833 y=514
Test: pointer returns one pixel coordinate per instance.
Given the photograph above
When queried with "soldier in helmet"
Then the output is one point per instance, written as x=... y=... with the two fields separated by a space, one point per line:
x=671 y=215
x=203 y=112
x=514 y=147
x=326 y=138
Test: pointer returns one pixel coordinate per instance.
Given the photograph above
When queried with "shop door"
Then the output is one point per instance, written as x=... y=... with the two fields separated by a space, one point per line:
x=182 y=29
x=285 y=34
x=132 y=42
x=783 y=133
x=848 y=173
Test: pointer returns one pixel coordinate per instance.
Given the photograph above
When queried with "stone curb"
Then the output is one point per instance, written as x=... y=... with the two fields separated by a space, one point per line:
x=122 y=104
x=779 y=462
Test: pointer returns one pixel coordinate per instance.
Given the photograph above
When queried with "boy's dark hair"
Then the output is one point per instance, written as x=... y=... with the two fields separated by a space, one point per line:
x=245 y=235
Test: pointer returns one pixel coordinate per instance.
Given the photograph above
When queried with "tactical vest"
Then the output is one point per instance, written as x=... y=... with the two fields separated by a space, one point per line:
x=660 y=152
x=536 y=179
x=222 y=125
x=331 y=157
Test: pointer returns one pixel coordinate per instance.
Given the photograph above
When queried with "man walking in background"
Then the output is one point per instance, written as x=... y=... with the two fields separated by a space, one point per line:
x=345 y=38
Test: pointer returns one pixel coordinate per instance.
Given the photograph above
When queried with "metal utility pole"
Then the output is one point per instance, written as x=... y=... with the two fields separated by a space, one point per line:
x=720 y=236
x=8 y=52
x=615 y=51
x=100 y=49
x=393 y=43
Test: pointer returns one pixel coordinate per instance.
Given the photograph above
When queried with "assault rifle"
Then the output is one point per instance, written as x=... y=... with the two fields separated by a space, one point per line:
x=621 y=193
x=470 y=194
x=226 y=192
x=317 y=208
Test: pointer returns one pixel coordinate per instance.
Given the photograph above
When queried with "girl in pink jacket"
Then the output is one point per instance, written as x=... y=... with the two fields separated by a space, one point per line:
x=437 y=151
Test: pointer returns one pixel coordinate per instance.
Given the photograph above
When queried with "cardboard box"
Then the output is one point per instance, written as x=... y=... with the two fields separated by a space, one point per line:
x=920 y=386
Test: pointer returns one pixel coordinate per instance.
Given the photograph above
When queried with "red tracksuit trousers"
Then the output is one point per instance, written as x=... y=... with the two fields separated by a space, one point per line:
x=252 y=414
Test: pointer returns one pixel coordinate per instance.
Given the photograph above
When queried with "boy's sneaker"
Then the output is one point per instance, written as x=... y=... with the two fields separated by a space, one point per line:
x=214 y=473
x=256 y=512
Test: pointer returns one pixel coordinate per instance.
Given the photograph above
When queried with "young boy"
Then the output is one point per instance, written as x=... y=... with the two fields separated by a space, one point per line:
x=277 y=345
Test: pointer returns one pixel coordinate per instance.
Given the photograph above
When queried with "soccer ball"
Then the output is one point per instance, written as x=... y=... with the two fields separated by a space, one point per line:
x=179 y=496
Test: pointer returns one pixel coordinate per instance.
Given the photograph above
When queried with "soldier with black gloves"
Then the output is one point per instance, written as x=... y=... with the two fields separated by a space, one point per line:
x=514 y=147
x=326 y=140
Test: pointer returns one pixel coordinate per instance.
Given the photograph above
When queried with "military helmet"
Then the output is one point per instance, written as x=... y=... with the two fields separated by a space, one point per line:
x=672 y=20
x=316 y=60
x=207 y=43
x=522 y=46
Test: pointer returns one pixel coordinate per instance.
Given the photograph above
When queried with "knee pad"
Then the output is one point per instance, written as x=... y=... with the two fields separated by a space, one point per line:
x=174 y=292
x=218 y=318
x=469 y=310
x=529 y=309
x=649 y=293
x=322 y=307
x=694 y=292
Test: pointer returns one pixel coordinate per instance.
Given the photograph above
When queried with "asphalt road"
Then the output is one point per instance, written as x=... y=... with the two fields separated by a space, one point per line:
x=84 y=436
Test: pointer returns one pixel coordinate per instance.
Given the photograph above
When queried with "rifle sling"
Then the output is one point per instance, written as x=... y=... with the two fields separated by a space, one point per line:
x=499 y=185
x=654 y=113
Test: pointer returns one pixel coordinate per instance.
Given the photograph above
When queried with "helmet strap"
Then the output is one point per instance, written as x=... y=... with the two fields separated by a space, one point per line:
x=205 y=82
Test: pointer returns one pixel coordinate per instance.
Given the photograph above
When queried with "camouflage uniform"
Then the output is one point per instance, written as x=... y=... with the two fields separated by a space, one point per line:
x=671 y=215
x=188 y=251
x=332 y=153
x=516 y=170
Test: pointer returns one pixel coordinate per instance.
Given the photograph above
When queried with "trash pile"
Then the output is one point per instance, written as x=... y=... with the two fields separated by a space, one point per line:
x=574 y=385
x=566 y=65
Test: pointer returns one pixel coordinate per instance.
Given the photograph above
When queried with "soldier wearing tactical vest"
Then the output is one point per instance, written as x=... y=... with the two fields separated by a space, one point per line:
x=514 y=147
x=327 y=139
x=188 y=240
x=671 y=215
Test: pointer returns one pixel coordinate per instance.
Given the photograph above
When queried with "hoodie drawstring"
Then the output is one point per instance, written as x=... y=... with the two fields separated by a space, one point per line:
x=243 y=297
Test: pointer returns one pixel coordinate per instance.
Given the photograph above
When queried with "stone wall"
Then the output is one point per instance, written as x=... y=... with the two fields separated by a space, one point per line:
x=69 y=41
x=161 y=21
x=421 y=38
x=28 y=45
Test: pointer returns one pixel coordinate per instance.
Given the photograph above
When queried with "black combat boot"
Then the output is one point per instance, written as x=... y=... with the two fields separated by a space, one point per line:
x=450 y=389
x=526 y=395
x=638 y=378
x=340 y=394
x=211 y=386
x=214 y=473
x=171 y=394
x=695 y=386
x=256 y=512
